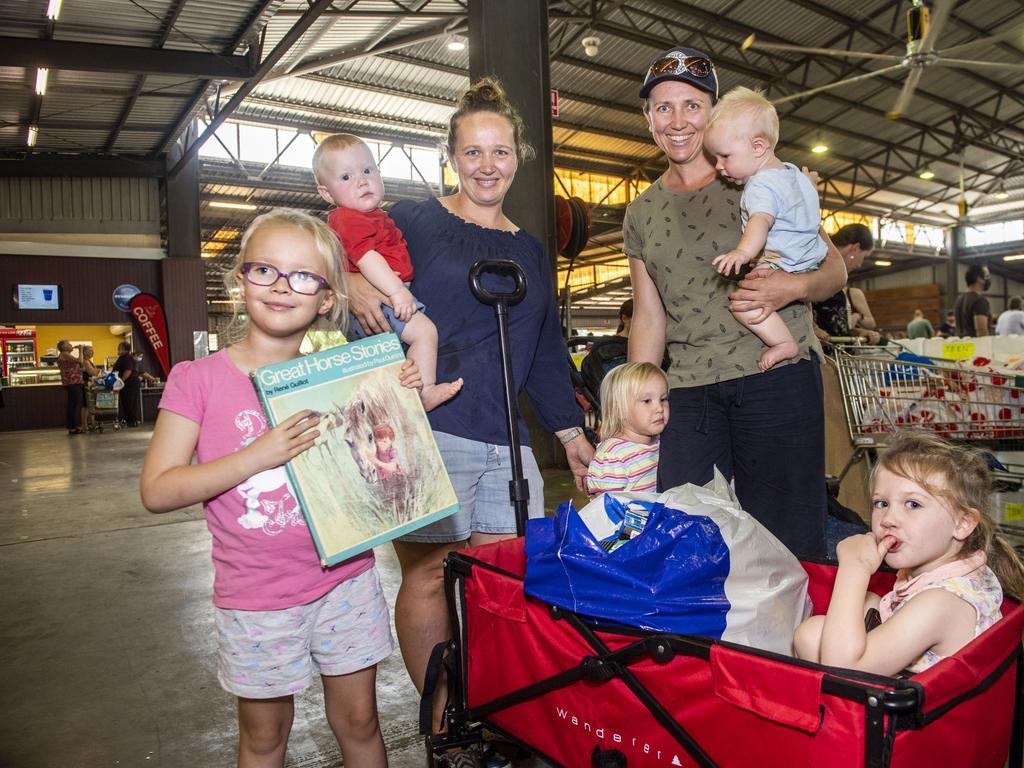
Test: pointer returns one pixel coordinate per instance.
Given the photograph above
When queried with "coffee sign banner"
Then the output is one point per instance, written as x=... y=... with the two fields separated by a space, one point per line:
x=149 y=317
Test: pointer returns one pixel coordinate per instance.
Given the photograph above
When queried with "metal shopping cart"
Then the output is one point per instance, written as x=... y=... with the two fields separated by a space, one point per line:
x=102 y=405
x=884 y=392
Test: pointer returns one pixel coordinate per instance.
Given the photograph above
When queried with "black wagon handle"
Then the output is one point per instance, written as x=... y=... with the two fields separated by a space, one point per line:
x=518 y=486
x=501 y=267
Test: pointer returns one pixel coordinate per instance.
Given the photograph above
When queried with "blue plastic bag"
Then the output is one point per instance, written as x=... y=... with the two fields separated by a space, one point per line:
x=701 y=566
x=905 y=373
x=677 y=566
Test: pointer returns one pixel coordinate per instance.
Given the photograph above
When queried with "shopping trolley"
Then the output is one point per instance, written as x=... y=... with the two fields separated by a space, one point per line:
x=102 y=406
x=884 y=393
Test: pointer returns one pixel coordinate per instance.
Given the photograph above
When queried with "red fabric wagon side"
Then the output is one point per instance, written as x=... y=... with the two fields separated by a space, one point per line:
x=561 y=685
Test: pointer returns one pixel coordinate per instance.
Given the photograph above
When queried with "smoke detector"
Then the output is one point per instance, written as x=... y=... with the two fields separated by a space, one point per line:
x=591 y=45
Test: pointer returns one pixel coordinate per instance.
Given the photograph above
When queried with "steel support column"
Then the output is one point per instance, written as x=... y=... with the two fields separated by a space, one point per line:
x=182 y=272
x=510 y=42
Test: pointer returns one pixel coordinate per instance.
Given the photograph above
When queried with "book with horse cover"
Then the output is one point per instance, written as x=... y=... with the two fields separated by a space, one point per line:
x=375 y=472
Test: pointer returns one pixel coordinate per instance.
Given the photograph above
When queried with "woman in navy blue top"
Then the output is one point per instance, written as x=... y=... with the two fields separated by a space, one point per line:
x=445 y=237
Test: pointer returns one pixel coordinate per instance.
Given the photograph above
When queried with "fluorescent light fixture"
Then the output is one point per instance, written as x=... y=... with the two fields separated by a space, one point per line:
x=1016 y=257
x=234 y=206
x=53 y=10
x=33 y=134
x=42 y=75
x=456 y=44
x=882 y=263
x=926 y=174
x=819 y=148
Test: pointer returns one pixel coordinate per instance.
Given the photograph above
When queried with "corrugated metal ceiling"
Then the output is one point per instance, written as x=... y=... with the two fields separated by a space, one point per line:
x=372 y=78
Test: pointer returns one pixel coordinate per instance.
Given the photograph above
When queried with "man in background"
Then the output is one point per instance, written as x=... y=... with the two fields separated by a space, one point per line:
x=972 y=309
x=948 y=328
x=920 y=327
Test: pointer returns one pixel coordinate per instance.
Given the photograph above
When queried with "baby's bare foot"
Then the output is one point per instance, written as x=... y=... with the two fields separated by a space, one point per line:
x=773 y=355
x=435 y=394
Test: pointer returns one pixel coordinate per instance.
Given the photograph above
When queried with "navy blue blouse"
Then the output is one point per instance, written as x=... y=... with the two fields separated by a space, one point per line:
x=443 y=247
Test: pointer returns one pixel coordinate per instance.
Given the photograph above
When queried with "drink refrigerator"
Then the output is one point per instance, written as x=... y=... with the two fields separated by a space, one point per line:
x=17 y=349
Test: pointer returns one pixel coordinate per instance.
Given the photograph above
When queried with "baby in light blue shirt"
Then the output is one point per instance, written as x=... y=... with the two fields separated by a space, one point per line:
x=779 y=207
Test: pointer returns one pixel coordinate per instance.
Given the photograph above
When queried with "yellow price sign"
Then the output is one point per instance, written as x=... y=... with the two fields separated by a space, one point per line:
x=1014 y=512
x=958 y=350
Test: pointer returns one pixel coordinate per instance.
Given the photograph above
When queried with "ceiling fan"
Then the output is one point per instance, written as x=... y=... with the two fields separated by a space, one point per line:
x=924 y=26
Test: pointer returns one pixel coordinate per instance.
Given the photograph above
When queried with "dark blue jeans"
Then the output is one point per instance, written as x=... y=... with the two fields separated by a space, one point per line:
x=73 y=410
x=768 y=432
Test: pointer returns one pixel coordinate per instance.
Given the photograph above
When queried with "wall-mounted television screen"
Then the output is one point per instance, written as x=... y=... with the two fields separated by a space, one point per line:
x=30 y=296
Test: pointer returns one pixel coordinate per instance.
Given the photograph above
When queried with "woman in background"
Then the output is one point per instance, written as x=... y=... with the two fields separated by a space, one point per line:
x=71 y=379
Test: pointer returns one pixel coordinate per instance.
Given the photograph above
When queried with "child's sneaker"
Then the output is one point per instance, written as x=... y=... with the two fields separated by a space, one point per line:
x=491 y=758
x=459 y=758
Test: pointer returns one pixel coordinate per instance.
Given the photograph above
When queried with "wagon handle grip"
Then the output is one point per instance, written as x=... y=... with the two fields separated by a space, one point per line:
x=501 y=267
x=518 y=486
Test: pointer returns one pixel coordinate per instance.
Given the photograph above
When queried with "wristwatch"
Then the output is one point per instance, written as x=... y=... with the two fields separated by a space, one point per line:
x=571 y=435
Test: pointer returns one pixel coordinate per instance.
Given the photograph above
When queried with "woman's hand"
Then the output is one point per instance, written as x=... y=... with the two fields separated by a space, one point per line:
x=812 y=176
x=284 y=442
x=766 y=290
x=409 y=376
x=579 y=452
x=364 y=302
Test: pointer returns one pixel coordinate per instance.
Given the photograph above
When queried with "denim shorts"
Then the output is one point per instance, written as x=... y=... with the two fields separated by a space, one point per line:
x=266 y=654
x=480 y=473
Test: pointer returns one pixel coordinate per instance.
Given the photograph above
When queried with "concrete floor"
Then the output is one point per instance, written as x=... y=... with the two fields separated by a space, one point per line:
x=107 y=650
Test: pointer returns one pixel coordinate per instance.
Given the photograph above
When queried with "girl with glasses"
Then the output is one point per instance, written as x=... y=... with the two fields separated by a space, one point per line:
x=280 y=615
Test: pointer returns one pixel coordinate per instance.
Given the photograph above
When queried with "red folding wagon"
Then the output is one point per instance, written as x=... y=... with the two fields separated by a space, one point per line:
x=561 y=684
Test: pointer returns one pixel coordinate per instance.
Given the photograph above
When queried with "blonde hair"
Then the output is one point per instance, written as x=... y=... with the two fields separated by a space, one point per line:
x=959 y=476
x=326 y=244
x=487 y=95
x=333 y=143
x=747 y=112
x=619 y=390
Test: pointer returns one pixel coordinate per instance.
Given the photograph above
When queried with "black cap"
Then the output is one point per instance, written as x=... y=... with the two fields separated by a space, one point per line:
x=663 y=68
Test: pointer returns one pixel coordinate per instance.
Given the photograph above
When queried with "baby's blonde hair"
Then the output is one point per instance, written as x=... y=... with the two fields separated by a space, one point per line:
x=326 y=244
x=961 y=477
x=333 y=143
x=619 y=390
x=748 y=113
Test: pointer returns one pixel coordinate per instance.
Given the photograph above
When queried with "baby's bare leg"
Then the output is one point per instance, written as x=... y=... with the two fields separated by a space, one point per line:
x=420 y=334
x=773 y=332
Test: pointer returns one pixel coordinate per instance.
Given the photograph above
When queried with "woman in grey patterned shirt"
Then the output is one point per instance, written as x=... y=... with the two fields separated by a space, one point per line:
x=765 y=430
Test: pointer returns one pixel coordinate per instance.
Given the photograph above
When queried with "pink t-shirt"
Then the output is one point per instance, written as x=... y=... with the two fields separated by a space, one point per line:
x=263 y=554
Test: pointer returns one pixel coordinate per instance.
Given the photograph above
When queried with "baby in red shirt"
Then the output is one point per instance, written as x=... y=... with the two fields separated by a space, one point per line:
x=348 y=177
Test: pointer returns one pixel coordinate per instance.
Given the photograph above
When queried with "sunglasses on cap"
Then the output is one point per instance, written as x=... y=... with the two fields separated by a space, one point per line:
x=697 y=66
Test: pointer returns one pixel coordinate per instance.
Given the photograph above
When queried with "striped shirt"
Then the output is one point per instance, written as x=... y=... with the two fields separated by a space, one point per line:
x=622 y=465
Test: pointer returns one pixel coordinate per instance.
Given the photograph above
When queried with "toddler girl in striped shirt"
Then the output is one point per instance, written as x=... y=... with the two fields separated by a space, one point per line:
x=634 y=404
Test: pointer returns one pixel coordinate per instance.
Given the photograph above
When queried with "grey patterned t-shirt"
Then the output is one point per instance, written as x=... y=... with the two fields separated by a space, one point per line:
x=676 y=235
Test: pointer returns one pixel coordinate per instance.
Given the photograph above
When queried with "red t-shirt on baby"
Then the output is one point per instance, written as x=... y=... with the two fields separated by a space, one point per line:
x=373 y=231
